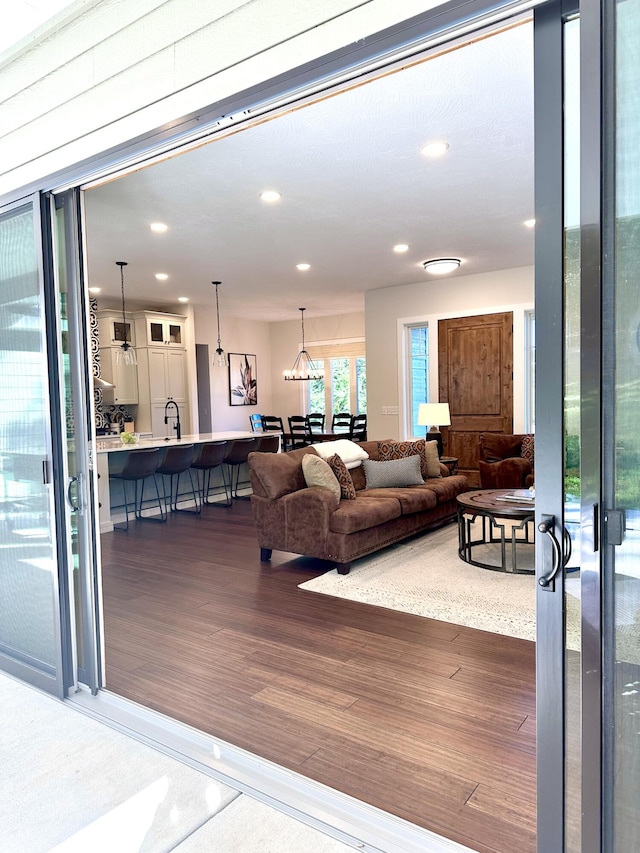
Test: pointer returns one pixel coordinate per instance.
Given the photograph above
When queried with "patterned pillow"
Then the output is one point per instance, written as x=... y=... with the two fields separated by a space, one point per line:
x=393 y=474
x=528 y=446
x=426 y=450
x=347 y=489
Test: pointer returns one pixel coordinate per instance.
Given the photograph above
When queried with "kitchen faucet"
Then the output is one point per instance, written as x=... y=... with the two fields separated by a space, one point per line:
x=176 y=425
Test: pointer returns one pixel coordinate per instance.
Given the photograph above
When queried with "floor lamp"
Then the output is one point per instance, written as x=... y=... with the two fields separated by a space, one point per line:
x=434 y=415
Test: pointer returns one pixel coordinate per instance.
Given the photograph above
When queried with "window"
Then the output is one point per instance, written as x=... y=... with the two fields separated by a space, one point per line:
x=418 y=368
x=344 y=387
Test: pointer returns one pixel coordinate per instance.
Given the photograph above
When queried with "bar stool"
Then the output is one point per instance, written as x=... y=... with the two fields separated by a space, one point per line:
x=236 y=457
x=139 y=465
x=210 y=456
x=269 y=444
x=177 y=460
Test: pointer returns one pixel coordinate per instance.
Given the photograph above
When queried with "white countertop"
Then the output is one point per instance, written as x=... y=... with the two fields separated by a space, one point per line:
x=114 y=445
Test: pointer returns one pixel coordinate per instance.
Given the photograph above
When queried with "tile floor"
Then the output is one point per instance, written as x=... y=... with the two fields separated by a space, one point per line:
x=69 y=783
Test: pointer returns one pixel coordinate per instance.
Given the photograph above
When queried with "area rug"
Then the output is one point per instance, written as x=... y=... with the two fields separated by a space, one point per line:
x=425 y=576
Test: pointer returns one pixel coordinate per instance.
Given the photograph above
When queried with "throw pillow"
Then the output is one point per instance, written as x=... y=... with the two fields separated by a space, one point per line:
x=394 y=473
x=528 y=442
x=350 y=452
x=347 y=489
x=427 y=450
x=317 y=473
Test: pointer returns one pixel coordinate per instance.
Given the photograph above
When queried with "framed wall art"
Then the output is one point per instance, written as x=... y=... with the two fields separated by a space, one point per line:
x=243 y=379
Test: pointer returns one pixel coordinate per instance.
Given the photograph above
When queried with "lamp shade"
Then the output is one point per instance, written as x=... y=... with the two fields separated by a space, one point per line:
x=434 y=414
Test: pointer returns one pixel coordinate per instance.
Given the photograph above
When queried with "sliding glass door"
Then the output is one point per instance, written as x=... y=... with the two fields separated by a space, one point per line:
x=31 y=626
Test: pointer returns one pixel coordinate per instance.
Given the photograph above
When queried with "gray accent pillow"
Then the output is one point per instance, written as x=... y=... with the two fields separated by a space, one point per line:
x=394 y=473
x=318 y=473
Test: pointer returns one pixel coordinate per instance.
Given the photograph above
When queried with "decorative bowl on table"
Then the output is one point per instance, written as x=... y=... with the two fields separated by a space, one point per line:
x=130 y=437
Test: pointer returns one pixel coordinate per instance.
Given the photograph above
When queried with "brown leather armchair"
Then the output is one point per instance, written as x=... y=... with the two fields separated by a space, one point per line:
x=506 y=461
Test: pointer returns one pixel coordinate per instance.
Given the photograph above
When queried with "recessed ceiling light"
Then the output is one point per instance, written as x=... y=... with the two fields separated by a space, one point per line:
x=434 y=149
x=270 y=195
x=441 y=266
x=400 y=248
x=529 y=223
x=162 y=276
x=183 y=298
x=303 y=267
x=159 y=227
x=94 y=290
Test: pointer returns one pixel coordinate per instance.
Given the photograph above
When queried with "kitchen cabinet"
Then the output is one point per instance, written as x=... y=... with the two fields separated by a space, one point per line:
x=112 y=328
x=162 y=376
x=157 y=329
x=123 y=376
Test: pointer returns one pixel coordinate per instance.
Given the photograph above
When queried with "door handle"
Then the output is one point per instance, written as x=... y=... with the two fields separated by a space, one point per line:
x=546 y=526
x=74 y=506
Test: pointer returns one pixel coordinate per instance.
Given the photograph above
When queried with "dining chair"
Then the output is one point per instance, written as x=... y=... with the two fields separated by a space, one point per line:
x=316 y=421
x=211 y=455
x=139 y=465
x=256 y=423
x=341 y=422
x=299 y=433
x=358 y=428
x=272 y=423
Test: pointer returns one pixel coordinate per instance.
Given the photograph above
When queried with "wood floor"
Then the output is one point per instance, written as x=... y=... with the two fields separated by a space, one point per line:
x=429 y=721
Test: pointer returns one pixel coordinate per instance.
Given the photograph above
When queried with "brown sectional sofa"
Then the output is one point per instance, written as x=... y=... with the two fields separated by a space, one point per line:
x=289 y=516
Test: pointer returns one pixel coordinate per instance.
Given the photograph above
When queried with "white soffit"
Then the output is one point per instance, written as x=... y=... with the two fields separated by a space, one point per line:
x=353 y=184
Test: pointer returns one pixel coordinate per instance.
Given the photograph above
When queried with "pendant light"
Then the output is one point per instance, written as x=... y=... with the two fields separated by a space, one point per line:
x=125 y=353
x=220 y=358
x=304 y=367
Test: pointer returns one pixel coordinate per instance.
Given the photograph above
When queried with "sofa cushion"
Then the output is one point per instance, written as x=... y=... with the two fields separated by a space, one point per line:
x=395 y=472
x=427 y=450
x=495 y=446
x=276 y=474
x=317 y=473
x=447 y=488
x=363 y=513
x=351 y=453
x=411 y=499
x=347 y=489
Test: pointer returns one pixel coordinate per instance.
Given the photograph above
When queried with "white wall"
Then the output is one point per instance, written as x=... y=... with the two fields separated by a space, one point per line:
x=115 y=69
x=287 y=397
x=241 y=336
x=430 y=300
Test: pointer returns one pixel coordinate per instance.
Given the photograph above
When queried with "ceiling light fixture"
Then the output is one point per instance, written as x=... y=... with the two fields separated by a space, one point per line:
x=441 y=266
x=220 y=359
x=399 y=248
x=162 y=276
x=125 y=353
x=303 y=267
x=434 y=149
x=529 y=223
x=270 y=195
x=94 y=289
x=183 y=298
x=159 y=227
x=304 y=367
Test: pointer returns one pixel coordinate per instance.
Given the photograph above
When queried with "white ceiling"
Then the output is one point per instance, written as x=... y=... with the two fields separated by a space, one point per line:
x=353 y=184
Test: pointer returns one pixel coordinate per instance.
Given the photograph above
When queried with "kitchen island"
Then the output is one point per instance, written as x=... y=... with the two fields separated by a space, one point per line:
x=109 y=457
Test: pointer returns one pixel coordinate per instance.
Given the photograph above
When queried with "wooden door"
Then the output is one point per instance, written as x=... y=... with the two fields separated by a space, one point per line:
x=475 y=367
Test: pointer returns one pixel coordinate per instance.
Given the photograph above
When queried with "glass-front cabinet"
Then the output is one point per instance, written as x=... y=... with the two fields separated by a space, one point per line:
x=161 y=329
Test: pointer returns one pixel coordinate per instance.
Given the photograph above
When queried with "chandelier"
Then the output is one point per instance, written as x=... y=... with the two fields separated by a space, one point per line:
x=125 y=353
x=304 y=367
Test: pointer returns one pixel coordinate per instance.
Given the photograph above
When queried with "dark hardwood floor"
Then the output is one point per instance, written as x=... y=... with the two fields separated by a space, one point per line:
x=429 y=721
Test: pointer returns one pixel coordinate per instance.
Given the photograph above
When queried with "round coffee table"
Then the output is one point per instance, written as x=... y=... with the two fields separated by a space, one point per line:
x=484 y=518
